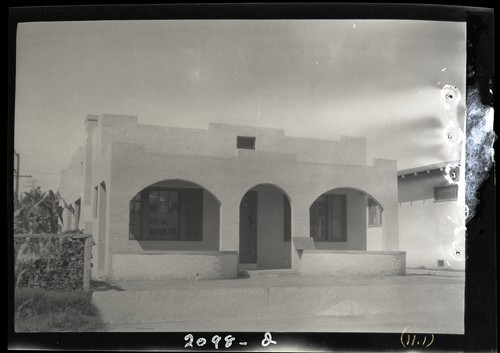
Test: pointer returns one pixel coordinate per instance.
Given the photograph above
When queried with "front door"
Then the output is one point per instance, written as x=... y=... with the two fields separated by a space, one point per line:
x=248 y=228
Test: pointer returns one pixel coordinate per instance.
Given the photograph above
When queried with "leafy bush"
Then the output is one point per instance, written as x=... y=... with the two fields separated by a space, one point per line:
x=53 y=262
x=38 y=310
x=38 y=212
x=73 y=231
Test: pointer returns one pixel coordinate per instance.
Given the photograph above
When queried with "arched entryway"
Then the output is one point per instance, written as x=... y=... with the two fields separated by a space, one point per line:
x=340 y=219
x=175 y=215
x=265 y=228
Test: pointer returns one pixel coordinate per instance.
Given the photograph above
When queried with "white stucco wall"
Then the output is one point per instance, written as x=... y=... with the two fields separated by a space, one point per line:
x=333 y=262
x=428 y=234
x=129 y=157
x=374 y=239
x=71 y=190
x=175 y=265
x=430 y=230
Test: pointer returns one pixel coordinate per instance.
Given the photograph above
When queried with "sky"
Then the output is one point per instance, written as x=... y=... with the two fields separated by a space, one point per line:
x=380 y=80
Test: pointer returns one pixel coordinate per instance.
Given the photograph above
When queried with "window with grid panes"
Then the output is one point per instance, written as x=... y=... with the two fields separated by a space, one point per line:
x=318 y=219
x=163 y=215
x=328 y=218
x=166 y=214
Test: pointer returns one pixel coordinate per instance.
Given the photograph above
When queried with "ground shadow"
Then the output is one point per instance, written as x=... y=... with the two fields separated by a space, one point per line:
x=96 y=286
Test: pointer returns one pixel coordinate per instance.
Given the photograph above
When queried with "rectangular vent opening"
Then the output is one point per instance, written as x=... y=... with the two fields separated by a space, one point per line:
x=245 y=142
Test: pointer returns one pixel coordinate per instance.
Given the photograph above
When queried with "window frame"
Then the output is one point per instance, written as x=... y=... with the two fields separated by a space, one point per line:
x=77 y=209
x=378 y=213
x=145 y=221
x=96 y=201
x=328 y=200
x=144 y=215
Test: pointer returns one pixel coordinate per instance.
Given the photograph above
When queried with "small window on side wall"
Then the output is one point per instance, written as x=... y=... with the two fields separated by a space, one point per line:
x=374 y=214
x=287 y=220
x=446 y=193
x=245 y=142
x=76 y=219
x=96 y=201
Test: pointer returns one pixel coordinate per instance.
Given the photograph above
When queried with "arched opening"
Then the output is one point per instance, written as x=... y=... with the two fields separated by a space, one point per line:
x=175 y=215
x=265 y=228
x=340 y=219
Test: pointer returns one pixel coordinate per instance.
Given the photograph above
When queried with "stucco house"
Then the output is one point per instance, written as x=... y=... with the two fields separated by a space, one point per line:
x=430 y=217
x=167 y=202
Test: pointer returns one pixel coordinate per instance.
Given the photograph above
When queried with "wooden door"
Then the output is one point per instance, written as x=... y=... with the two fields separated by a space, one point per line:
x=248 y=228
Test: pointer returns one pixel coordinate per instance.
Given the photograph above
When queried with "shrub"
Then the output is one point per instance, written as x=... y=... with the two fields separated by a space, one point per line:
x=38 y=212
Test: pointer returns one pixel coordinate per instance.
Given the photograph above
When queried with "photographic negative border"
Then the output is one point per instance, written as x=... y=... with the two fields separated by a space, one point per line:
x=480 y=308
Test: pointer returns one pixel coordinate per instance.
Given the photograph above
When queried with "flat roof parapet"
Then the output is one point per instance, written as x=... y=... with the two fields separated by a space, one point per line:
x=437 y=167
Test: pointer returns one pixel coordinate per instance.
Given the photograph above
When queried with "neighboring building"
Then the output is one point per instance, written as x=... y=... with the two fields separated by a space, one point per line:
x=430 y=219
x=165 y=202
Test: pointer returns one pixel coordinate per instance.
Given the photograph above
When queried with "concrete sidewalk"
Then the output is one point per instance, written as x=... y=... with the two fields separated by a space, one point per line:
x=286 y=301
x=287 y=278
x=438 y=272
x=424 y=322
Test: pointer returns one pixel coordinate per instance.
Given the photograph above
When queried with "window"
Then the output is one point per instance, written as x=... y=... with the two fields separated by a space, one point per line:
x=328 y=218
x=163 y=215
x=287 y=220
x=135 y=217
x=166 y=214
x=245 y=142
x=446 y=193
x=96 y=193
x=374 y=214
x=76 y=219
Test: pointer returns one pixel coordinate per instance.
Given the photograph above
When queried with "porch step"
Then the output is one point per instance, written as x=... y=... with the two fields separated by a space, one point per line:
x=250 y=266
x=273 y=273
